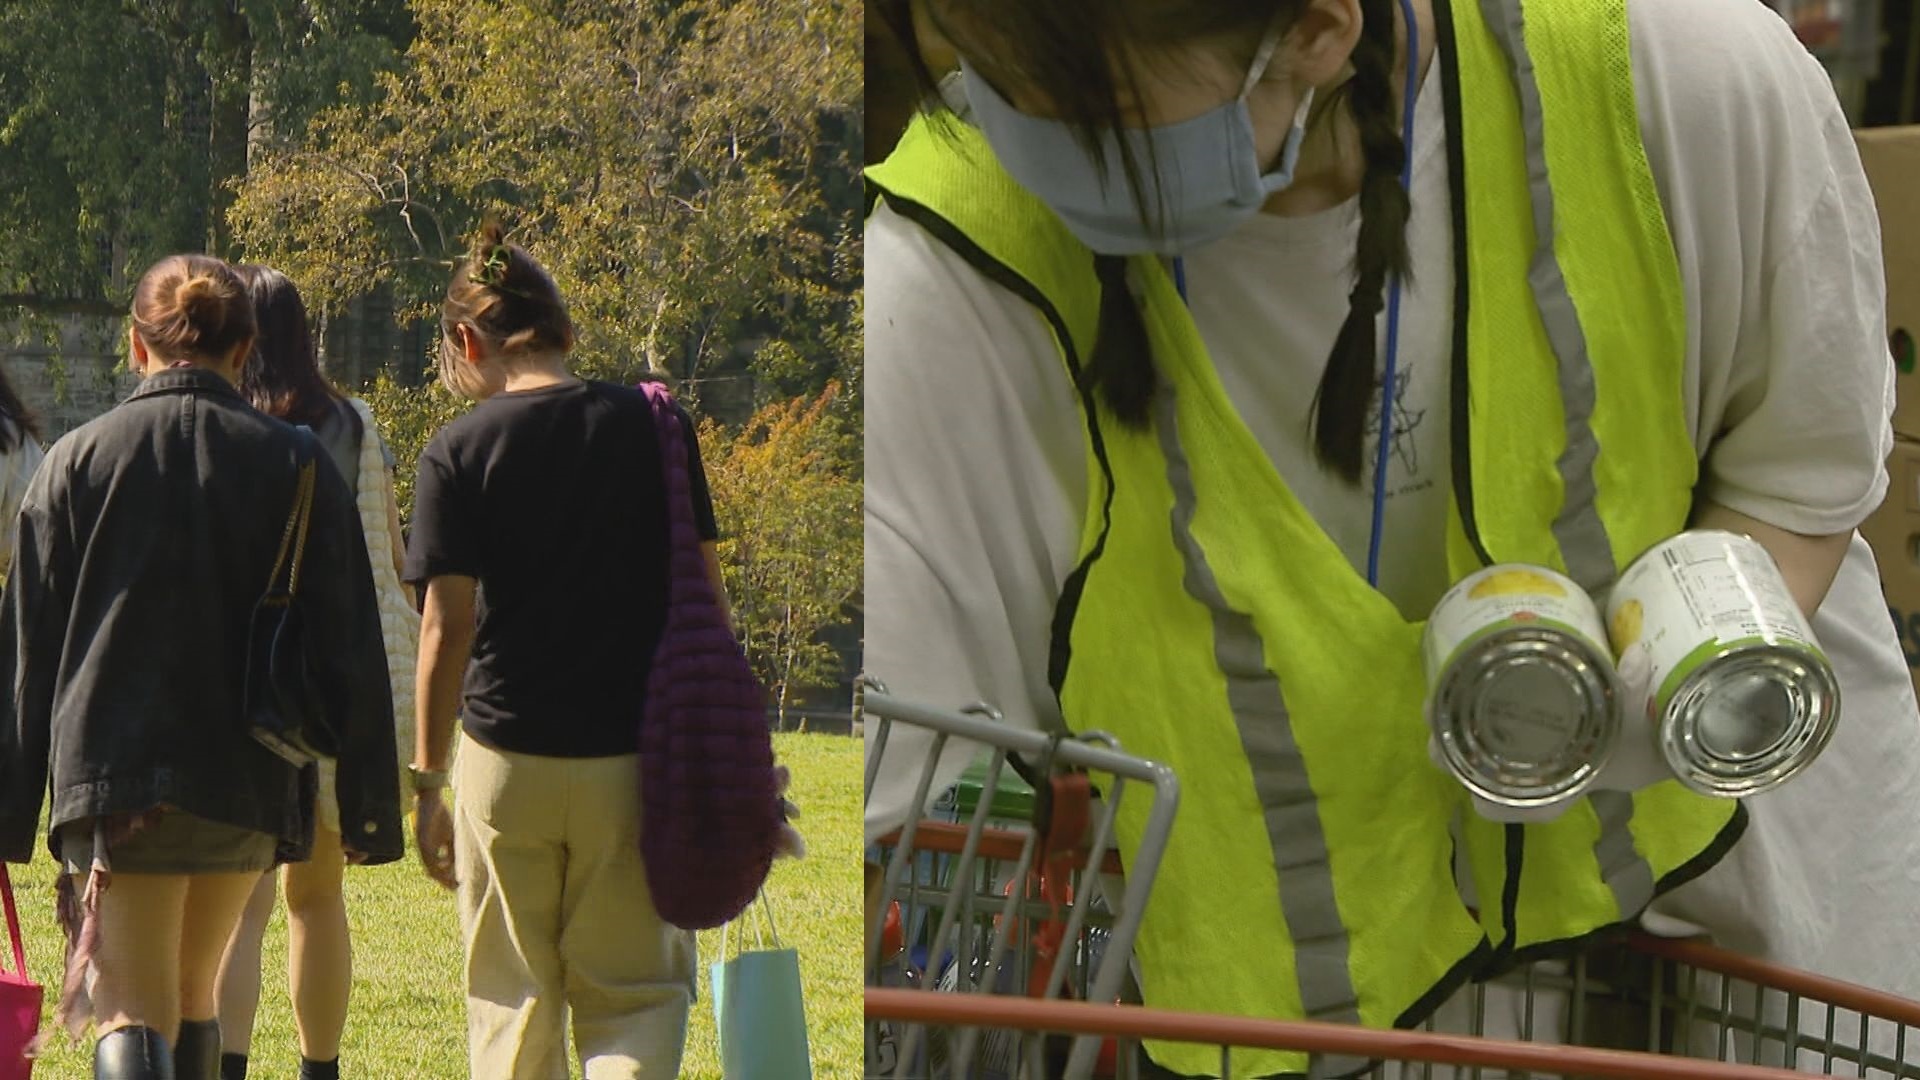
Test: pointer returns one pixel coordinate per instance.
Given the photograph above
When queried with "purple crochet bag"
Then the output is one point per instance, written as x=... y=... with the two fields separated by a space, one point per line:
x=710 y=798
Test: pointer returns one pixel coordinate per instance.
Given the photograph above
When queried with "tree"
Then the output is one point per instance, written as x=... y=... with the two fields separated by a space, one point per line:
x=688 y=171
x=408 y=418
x=123 y=125
x=788 y=504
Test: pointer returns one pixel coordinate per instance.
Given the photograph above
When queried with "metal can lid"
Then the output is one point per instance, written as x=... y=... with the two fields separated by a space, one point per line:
x=1750 y=721
x=1526 y=717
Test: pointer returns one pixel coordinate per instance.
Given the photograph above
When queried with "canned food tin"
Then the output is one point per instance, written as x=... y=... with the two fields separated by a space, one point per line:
x=1524 y=701
x=1741 y=696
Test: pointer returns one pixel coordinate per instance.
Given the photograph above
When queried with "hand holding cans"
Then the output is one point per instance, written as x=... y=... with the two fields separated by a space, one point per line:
x=1743 y=696
x=1723 y=674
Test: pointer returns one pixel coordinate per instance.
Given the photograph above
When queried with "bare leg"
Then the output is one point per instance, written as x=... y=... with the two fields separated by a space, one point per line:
x=238 y=987
x=320 y=960
x=213 y=903
x=136 y=971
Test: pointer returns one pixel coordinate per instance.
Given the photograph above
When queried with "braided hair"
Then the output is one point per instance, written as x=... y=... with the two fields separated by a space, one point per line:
x=1346 y=389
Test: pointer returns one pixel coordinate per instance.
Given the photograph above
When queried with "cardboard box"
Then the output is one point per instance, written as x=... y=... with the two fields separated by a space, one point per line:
x=1892 y=160
x=1894 y=533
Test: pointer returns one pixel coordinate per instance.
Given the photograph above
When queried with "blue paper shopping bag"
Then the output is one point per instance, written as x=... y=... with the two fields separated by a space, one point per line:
x=758 y=1009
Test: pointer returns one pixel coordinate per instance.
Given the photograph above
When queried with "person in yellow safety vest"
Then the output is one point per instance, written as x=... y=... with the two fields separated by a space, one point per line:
x=1210 y=341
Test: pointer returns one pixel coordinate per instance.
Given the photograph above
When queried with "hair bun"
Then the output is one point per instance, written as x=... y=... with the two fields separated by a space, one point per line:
x=191 y=306
x=492 y=235
x=199 y=299
x=492 y=262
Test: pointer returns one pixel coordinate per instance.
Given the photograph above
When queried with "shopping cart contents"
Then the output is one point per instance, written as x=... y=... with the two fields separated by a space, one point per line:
x=1524 y=702
x=982 y=966
x=1741 y=696
x=1009 y=886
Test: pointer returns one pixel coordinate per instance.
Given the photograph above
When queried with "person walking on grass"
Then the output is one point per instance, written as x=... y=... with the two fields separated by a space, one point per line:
x=540 y=537
x=144 y=543
x=282 y=379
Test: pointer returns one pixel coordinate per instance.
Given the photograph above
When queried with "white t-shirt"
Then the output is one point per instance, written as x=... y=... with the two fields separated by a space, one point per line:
x=976 y=471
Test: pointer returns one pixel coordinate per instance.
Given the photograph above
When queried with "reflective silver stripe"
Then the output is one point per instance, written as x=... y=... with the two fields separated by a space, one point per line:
x=1292 y=814
x=1578 y=529
x=1622 y=866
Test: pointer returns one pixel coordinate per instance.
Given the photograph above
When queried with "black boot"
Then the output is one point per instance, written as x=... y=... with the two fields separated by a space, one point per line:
x=132 y=1053
x=196 y=1056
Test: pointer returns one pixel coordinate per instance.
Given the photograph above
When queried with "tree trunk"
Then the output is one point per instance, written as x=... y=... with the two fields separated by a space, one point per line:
x=650 y=348
x=232 y=76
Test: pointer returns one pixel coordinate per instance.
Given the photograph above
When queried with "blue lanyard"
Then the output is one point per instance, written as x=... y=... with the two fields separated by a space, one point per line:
x=1408 y=101
x=1388 y=378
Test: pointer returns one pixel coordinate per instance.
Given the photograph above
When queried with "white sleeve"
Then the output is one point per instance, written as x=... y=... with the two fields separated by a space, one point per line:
x=1790 y=381
x=975 y=480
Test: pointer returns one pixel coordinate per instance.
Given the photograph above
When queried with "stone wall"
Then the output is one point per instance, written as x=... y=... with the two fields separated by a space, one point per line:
x=68 y=368
x=71 y=367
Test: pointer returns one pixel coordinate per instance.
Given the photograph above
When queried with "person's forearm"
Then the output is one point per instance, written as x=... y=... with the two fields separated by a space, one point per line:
x=437 y=699
x=1809 y=563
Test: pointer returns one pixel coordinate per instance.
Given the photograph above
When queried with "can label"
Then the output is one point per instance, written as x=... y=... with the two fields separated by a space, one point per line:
x=1522 y=685
x=1505 y=597
x=1740 y=693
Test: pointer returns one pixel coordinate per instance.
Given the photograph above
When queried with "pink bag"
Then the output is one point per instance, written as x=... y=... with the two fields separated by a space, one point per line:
x=20 y=997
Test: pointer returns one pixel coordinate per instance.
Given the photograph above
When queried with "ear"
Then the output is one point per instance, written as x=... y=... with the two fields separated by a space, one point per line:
x=1322 y=40
x=471 y=346
x=136 y=352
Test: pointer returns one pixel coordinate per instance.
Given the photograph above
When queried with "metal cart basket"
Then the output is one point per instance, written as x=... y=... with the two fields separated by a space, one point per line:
x=1000 y=947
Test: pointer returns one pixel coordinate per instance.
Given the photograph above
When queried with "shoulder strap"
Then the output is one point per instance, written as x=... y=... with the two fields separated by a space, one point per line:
x=13 y=923
x=294 y=537
x=673 y=454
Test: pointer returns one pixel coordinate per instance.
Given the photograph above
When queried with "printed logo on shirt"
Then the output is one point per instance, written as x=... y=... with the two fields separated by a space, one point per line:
x=1404 y=475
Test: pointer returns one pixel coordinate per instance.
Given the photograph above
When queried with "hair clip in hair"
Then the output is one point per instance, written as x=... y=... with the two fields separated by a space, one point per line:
x=493 y=272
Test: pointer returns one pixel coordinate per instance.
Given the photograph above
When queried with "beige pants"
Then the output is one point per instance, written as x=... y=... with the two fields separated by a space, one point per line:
x=558 y=920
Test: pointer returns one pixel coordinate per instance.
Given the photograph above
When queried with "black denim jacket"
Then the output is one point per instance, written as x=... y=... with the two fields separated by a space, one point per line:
x=144 y=542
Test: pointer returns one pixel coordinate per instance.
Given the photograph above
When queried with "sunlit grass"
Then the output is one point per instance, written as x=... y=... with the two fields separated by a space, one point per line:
x=409 y=1021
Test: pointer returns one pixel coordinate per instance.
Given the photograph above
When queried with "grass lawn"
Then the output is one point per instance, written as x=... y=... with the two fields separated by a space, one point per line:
x=408 y=1019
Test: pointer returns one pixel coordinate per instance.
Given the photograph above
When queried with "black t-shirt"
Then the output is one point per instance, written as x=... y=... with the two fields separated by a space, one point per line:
x=555 y=501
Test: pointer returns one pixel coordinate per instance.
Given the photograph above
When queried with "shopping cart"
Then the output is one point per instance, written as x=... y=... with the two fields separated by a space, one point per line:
x=1000 y=948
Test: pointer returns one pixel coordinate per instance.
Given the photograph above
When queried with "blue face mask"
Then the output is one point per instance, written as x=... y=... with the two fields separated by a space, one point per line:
x=1201 y=177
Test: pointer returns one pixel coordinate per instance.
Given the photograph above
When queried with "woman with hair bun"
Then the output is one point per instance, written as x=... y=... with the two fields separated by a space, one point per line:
x=144 y=544
x=540 y=537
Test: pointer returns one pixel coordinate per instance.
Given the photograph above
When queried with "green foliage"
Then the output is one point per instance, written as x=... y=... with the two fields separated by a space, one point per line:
x=408 y=417
x=123 y=124
x=789 y=512
x=687 y=171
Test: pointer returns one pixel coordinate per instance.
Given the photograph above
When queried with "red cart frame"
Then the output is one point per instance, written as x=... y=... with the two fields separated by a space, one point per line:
x=1000 y=948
